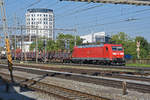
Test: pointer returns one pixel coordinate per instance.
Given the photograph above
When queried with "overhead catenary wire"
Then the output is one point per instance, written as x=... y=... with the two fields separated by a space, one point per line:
x=113 y=22
x=61 y=15
x=52 y=4
x=32 y=4
x=103 y=14
x=142 y=27
x=114 y=16
x=84 y=9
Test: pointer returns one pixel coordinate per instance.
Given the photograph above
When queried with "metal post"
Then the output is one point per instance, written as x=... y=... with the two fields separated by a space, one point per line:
x=36 y=45
x=21 y=43
x=124 y=87
x=45 y=50
x=75 y=43
x=15 y=34
x=7 y=43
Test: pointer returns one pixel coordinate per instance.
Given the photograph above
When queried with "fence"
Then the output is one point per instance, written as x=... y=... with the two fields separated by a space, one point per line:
x=138 y=61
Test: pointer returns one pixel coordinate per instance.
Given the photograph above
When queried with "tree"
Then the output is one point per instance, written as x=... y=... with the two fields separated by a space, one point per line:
x=59 y=44
x=63 y=39
x=40 y=45
x=51 y=46
x=129 y=44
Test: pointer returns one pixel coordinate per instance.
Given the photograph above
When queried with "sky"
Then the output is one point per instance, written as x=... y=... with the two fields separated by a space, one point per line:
x=87 y=17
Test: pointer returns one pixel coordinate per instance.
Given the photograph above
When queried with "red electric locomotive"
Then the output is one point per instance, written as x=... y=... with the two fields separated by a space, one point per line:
x=99 y=54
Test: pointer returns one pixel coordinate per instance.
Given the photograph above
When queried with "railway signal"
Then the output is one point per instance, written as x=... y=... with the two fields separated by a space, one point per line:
x=138 y=49
x=7 y=43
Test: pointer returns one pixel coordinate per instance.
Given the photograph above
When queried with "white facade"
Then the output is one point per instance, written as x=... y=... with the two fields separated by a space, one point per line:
x=25 y=46
x=91 y=38
x=43 y=20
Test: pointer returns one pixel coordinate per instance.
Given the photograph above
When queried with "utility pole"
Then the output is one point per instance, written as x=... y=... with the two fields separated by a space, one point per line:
x=75 y=43
x=36 y=45
x=21 y=43
x=45 y=50
x=7 y=43
x=15 y=21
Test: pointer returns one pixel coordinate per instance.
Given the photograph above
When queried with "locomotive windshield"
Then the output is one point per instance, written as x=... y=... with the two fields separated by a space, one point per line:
x=117 y=48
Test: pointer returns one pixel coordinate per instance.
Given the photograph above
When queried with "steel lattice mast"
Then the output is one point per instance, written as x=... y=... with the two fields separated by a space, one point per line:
x=7 y=43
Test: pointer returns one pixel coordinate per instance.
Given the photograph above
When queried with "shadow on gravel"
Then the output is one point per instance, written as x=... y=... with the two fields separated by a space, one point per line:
x=14 y=92
x=38 y=79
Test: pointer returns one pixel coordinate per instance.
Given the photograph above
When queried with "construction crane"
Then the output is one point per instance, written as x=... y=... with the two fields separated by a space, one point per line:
x=7 y=43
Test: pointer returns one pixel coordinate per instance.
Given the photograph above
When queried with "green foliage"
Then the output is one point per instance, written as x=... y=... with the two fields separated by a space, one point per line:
x=40 y=45
x=51 y=45
x=59 y=44
x=138 y=65
x=129 y=44
x=62 y=39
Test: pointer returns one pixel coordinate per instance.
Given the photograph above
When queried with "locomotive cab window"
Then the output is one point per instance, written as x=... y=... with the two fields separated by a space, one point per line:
x=106 y=49
x=117 y=48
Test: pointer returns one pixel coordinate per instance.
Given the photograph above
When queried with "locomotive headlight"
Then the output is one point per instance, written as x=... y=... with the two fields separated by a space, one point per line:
x=121 y=53
x=114 y=53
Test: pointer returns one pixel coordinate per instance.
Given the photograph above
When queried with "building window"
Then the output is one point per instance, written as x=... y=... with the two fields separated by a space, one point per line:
x=50 y=23
x=50 y=16
x=50 y=19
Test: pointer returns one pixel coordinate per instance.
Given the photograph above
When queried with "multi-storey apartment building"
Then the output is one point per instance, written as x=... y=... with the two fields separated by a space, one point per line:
x=40 y=22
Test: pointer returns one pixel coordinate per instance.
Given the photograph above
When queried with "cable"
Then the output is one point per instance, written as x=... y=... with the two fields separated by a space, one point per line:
x=84 y=9
x=72 y=9
x=114 y=22
x=51 y=5
x=32 y=4
x=102 y=18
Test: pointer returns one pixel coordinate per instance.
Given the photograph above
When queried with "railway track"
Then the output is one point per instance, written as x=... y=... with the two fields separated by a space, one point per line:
x=140 y=70
x=132 y=84
x=111 y=74
x=60 y=92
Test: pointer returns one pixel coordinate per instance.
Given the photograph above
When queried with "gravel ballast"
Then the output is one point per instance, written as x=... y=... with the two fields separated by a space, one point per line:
x=103 y=91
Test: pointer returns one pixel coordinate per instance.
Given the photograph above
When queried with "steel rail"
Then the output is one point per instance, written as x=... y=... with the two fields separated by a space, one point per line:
x=141 y=86
x=141 y=70
x=61 y=92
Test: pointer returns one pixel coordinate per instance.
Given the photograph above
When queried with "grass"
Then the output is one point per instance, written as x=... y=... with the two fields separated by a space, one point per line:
x=138 y=65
